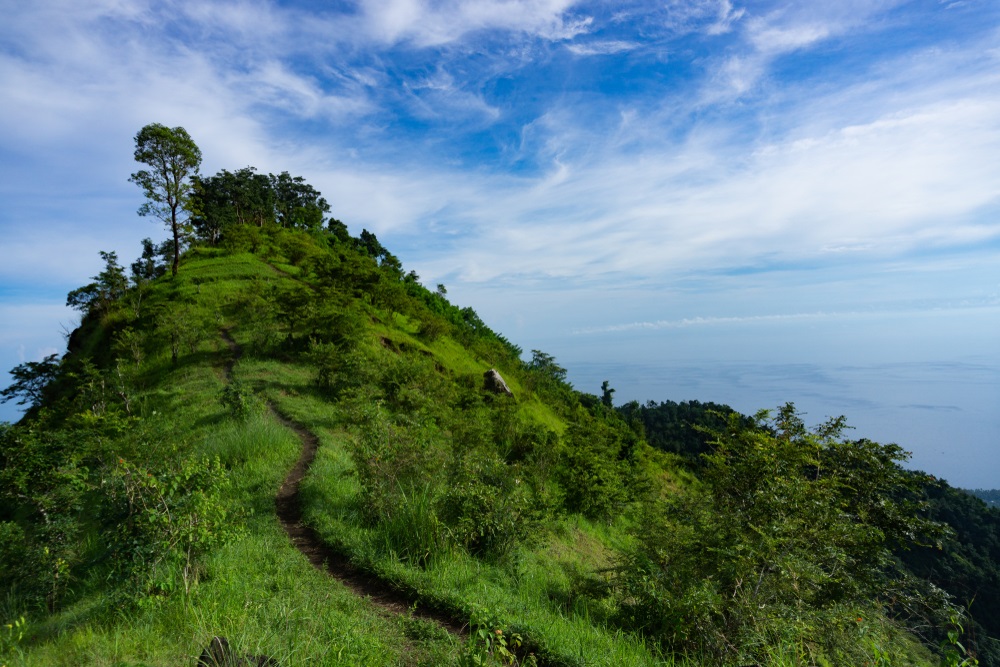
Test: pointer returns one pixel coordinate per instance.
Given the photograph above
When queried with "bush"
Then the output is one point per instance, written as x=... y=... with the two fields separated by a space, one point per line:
x=240 y=401
x=392 y=461
x=595 y=471
x=431 y=328
x=243 y=238
x=487 y=506
x=166 y=519
x=397 y=466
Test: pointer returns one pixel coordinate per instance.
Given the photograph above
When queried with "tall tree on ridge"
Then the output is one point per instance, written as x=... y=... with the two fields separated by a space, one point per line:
x=173 y=158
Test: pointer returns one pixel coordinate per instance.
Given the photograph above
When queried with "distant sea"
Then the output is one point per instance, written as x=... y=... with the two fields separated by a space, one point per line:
x=946 y=413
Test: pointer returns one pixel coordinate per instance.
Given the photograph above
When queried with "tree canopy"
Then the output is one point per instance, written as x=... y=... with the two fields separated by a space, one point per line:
x=174 y=159
x=245 y=198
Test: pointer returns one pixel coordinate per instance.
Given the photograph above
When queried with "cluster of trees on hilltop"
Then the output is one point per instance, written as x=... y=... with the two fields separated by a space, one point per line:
x=180 y=197
x=245 y=197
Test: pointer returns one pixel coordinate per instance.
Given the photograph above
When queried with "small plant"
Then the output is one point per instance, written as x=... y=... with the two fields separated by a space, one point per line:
x=11 y=636
x=238 y=398
x=490 y=645
x=953 y=652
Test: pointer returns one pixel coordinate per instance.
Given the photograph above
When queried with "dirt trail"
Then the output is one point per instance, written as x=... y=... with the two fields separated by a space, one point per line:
x=289 y=512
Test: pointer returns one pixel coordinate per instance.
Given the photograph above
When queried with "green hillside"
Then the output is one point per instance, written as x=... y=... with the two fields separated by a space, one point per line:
x=290 y=444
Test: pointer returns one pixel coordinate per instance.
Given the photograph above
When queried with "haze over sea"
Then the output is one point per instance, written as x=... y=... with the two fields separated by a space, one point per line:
x=741 y=202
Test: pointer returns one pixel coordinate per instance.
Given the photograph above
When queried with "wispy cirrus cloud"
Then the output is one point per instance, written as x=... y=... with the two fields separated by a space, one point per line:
x=428 y=23
x=601 y=48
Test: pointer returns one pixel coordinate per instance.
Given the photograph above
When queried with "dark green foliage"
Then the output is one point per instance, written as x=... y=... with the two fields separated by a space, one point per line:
x=44 y=479
x=968 y=565
x=229 y=205
x=392 y=460
x=432 y=328
x=791 y=530
x=545 y=366
x=182 y=328
x=30 y=381
x=675 y=427
x=165 y=520
x=244 y=238
x=339 y=230
x=606 y=394
x=598 y=470
x=487 y=505
x=173 y=158
x=228 y=199
x=988 y=496
x=240 y=401
x=297 y=204
x=108 y=287
x=146 y=267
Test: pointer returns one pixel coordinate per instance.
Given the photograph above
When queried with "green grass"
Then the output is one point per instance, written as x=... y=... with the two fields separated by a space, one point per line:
x=258 y=590
x=520 y=592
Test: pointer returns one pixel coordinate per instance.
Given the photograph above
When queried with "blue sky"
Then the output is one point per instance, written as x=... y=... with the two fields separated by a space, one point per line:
x=712 y=185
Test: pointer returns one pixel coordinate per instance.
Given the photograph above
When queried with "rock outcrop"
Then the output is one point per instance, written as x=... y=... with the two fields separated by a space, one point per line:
x=492 y=382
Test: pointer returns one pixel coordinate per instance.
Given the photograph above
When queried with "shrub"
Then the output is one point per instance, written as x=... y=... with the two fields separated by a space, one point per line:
x=432 y=328
x=240 y=401
x=785 y=544
x=487 y=506
x=594 y=470
x=392 y=460
x=166 y=519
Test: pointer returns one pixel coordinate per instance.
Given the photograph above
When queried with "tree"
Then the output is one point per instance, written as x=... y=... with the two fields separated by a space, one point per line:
x=146 y=268
x=173 y=158
x=546 y=365
x=30 y=380
x=606 y=393
x=108 y=286
x=242 y=197
x=297 y=204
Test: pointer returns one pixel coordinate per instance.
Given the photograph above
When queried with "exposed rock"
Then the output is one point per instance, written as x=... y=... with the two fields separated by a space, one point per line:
x=492 y=382
x=219 y=653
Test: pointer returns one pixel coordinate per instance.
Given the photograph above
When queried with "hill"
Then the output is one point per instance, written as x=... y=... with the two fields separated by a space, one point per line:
x=291 y=444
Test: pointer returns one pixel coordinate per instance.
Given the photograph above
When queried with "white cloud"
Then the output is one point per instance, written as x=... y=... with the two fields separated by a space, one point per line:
x=427 y=23
x=916 y=174
x=601 y=48
x=727 y=17
x=770 y=39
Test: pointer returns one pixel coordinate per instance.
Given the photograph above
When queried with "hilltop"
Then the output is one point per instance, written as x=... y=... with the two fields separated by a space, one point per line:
x=291 y=443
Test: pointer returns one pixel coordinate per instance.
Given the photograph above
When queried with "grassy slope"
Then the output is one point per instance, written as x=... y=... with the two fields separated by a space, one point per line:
x=257 y=590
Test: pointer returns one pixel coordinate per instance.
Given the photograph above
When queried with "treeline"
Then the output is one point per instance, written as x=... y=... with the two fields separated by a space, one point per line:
x=678 y=428
x=988 y=496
